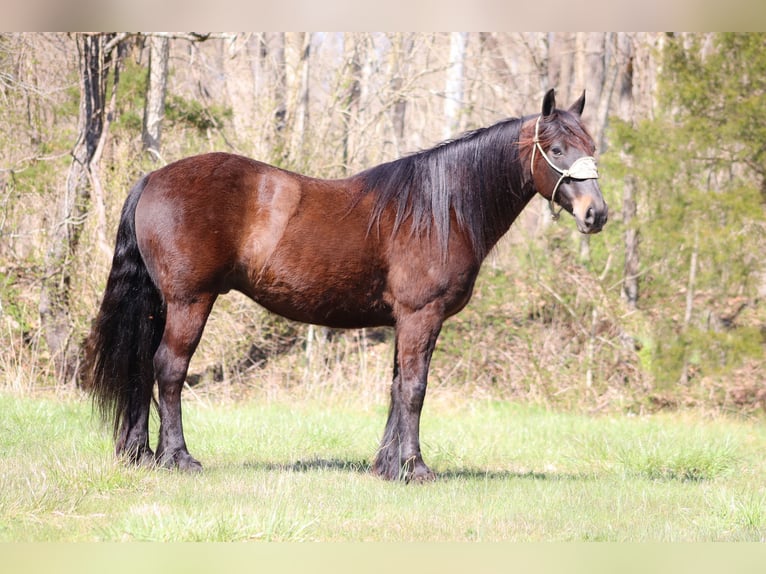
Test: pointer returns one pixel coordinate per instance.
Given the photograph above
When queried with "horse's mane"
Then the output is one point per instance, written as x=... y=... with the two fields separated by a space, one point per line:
x=474 y=176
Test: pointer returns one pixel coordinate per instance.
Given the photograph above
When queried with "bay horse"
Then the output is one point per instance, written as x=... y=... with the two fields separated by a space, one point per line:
x=397 y=245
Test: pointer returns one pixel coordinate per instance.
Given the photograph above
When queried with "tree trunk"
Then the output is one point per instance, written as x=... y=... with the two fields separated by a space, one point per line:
x=95 y=56
x=561 y=63
x=256 y=52
x=494 y=53
x=540 y=49
x=156 y=89
x=627 y=111
x=453 y=91
x=690 y=287
x=273 y=68
x=280 y=83
x=350 y=106
x=301 y=116
x=402 y=52
x=630 y=272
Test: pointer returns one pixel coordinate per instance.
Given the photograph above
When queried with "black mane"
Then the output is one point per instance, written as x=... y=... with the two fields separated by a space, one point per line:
x=477 y=176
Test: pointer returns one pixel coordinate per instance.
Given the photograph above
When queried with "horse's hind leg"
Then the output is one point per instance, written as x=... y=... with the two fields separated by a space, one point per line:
x=183 y=329
x=132 y=442
x=133 y=439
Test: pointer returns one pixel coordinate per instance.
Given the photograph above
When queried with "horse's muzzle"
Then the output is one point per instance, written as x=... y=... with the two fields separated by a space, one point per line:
x=591 y=216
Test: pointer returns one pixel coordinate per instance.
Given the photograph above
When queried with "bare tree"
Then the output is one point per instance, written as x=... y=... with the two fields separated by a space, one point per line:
x=453 y=91
x=279 y=67
x=98 y=59
x=401 y=53
x=156 y=89
x=271 y=81
x=353 y=90
x=631 y=237
x=626 y=110
x=561 y=63
x=300 y=82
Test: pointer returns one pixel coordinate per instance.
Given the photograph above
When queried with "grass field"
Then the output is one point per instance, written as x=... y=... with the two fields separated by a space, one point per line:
x=293 y=472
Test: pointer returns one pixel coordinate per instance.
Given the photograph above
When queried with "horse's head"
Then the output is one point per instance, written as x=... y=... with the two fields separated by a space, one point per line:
x=562 y=164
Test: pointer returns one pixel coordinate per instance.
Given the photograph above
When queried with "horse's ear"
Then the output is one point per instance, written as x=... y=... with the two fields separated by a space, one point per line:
x=579 y=105
x=549 y=102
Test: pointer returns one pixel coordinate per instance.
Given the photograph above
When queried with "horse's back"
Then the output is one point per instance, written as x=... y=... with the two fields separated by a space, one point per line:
x=299 y=246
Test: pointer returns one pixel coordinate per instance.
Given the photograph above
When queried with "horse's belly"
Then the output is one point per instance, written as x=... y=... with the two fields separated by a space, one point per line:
x=339 y=297
x=330 y=310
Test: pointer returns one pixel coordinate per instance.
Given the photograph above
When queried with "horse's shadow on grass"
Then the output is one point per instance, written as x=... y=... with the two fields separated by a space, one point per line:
x=364 y=467
x=352 y=466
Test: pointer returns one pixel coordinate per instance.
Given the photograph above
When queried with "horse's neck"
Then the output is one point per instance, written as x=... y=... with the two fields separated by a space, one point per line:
x=509 y=204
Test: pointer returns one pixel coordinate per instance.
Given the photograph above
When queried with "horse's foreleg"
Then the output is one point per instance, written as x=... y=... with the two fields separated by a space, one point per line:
x=399 y=457
x=183 y=329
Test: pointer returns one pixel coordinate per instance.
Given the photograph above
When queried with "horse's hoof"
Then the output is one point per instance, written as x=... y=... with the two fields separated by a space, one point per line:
x=407 y=471
x=180 y=460
x=146 y=460
x=190 y=464
x=137 y=455
x=421 y=474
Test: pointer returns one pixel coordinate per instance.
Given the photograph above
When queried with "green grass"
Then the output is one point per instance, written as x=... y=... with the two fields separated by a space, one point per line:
x=292 y=472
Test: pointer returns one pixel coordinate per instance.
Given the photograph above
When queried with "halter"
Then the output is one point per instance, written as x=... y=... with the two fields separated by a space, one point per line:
x=583 y=168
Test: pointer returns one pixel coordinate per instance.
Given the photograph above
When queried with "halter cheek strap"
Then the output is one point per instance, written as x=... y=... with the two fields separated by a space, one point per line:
x=582 y=168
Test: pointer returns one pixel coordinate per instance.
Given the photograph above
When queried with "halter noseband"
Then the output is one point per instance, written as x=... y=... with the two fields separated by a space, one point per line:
x=583 y=168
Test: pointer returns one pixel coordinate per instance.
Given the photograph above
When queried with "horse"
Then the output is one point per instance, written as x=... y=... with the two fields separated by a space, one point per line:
x=398 y=245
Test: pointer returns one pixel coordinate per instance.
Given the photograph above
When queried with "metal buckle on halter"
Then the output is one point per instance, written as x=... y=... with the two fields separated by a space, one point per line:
x=582 y=168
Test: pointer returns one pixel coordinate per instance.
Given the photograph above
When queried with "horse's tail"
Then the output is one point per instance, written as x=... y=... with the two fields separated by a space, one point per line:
x=118 y=364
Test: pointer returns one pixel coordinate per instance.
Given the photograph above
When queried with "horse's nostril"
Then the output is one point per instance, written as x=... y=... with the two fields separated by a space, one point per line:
x=590 y=216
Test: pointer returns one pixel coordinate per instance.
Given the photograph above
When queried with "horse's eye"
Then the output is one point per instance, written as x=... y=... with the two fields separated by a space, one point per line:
x=556 y=150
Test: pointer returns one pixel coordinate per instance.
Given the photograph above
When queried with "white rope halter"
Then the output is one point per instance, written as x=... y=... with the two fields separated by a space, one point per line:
x=583 y=168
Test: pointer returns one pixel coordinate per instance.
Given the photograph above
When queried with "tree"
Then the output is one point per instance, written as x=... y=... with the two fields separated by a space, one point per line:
x=626 y=111
x=403 y=47
x=156 y=90
x=98 y=58
x=701 y=166
x=279 y=81
x=453 y=90
x=351 y=81
x=301 y=85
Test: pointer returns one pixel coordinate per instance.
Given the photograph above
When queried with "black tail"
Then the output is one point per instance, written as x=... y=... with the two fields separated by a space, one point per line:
x=118 y=367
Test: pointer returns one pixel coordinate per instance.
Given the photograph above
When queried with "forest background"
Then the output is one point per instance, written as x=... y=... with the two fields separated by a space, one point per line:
x=664 y=309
